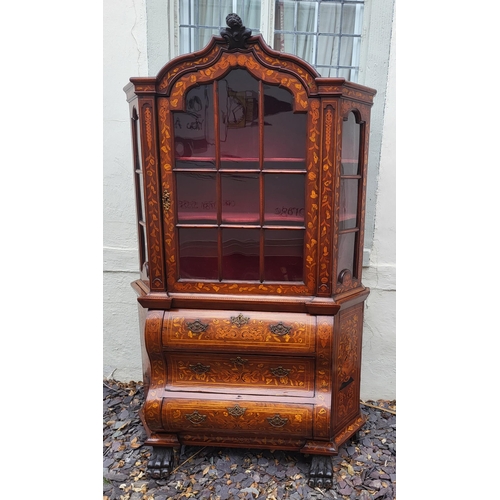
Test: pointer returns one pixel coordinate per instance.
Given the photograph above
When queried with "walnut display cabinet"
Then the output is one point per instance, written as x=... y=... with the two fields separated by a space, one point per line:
x=250 y=176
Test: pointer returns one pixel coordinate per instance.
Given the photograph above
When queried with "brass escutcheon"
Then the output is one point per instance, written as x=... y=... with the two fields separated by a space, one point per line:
x=197 y=326
x=166 y=200
x=236 y=411
x=195 y=417
x=277 y=420
x=280 y=329
x=239 y=361
x=280 y=371
x=199 y=369
x=239 y=320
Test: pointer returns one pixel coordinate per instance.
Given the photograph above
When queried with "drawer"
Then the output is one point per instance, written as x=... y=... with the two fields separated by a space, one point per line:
x=241 y=374
x=196 y=329
x=243 y=417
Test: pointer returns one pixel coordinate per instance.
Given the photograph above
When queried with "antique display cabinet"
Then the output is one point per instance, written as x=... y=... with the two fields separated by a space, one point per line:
x=250 y=175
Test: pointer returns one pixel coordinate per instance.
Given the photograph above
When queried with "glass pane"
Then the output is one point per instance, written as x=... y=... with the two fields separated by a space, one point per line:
x=198 y=253
x=346 y=252
x=283 y=255
x=348 y=203
x=327 y=71
x=194 y=128
x=346 y=51
x=284 y=130
x=141 y=192
x=196 y=201
x=186 y=36
x=351 y=19
x=329 y=17
x=284 y=18
x=328 y=50
x=284 y=42
x=240 y=165
x=205 y=35
x=306 y=16
x=284 y=164
x=284 y=199
x=240 y=254
x=194 y=164
x=239 y=115
x=240 y=199
x=350 y=146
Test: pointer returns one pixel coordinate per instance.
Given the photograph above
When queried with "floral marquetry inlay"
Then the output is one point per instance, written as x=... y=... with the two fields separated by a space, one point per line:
x=296 y=333
x=268 y=357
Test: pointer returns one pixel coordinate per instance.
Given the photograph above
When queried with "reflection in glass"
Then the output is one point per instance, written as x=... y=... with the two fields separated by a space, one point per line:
x=348 y=203
x=284 y=130
x=346 y=252
x=240 y=198
x=239 y=165
x=239 y=115
x=194 y=165
x=196 y=197
x=284 y=199
x=350 y=146
x=240 y=254
x=283 y=255
x=194 y=128
x=198 y=253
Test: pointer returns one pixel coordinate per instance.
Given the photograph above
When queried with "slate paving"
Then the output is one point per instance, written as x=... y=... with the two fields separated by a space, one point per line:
x=363 y=470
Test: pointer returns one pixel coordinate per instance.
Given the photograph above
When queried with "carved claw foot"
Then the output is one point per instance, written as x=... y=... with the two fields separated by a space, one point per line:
x=161 y=463
x=355 y=437
x=321 y=472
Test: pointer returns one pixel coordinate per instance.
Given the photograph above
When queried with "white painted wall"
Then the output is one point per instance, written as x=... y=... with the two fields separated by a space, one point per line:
x=378 y=375
x=125 y=55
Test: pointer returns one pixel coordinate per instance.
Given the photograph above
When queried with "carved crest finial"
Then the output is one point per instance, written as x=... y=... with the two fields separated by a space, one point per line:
x=236 y=35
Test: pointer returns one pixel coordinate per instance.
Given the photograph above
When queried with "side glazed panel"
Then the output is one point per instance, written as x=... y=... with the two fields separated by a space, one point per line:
x=350 y=193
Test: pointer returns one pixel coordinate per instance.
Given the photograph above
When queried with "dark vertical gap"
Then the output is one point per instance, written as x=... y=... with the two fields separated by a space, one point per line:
x=218 y=181
x=261 y=179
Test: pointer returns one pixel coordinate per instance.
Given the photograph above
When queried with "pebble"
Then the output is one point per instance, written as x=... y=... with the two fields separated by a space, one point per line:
x=231 y=473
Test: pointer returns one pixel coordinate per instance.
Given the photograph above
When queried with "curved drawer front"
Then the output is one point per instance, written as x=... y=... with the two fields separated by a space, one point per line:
x=244 y=417
x=235 y=330
x=241 y=374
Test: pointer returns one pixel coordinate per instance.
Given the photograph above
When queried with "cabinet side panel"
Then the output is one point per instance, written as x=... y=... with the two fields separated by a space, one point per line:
x=347 y=364
x=323 y=378
x=152 y=341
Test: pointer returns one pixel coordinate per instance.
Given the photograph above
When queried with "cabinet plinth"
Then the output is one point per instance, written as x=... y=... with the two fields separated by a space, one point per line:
x=250 y=176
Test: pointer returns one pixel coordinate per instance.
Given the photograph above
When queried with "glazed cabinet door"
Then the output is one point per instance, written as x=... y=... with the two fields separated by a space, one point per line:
x=240 y=176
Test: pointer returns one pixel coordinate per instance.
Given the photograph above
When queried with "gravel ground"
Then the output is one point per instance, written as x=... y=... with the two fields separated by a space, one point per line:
x=363 y=470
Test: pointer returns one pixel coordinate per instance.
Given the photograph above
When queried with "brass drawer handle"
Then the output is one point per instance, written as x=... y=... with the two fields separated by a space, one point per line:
x=197 y=326
x=236 y=411
x=280 y=329
x=195 y=417
x=277 y=420
x=239 y=361
x=199 y=369
x=239 y=320
x=280 y=372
